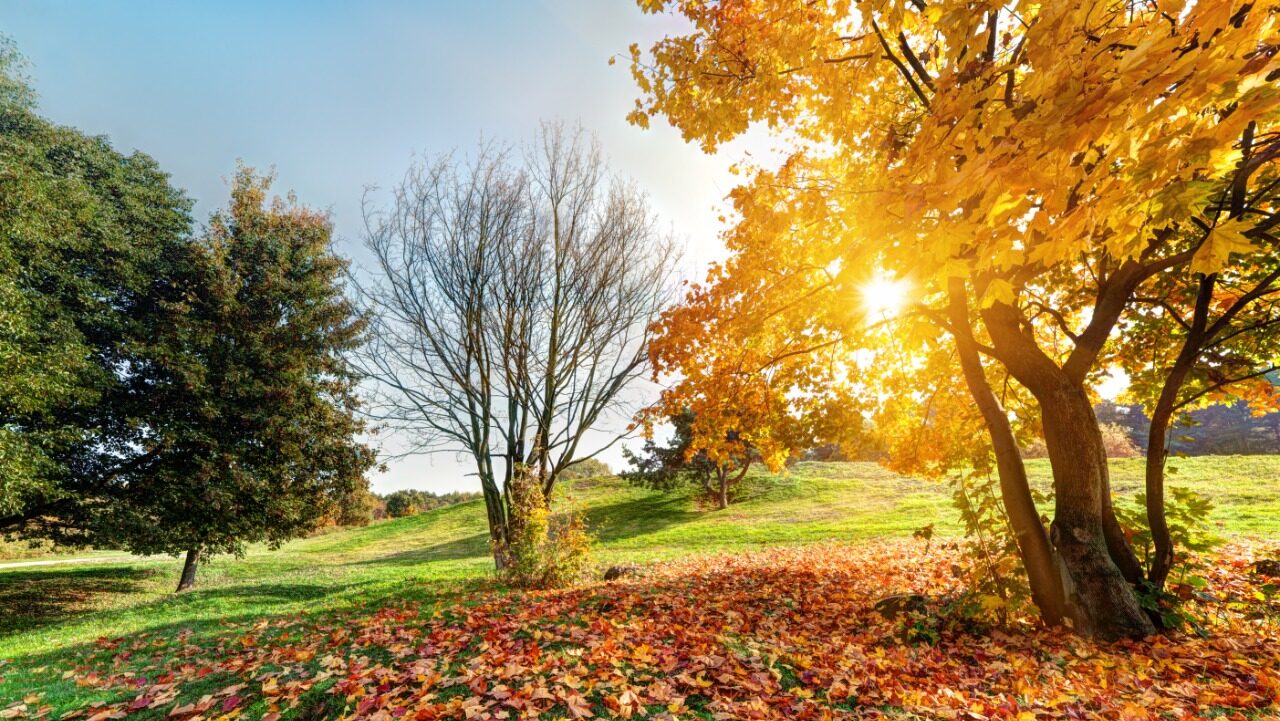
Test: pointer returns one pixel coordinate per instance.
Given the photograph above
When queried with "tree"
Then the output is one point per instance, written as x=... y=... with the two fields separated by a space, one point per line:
x=90 y=240
x=511 y=309
x=665 y=468
x=259 y=440
x=357 y=508
x=1206 y=334
x=1026 y=168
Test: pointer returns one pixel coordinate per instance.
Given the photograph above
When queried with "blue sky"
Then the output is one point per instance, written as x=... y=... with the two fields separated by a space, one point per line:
x=338 y=96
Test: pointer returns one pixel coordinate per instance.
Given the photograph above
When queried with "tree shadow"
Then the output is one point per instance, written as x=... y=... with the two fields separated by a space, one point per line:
x=614 y=522
x=36 y=598
x=268 y=592
x=640 y=516
x=474 y=546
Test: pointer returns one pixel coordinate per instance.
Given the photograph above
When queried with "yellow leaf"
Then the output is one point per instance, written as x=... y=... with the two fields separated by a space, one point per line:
x=1216 y=250
x=998 y=291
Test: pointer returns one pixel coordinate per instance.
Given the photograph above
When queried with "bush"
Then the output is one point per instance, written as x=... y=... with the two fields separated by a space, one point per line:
x=1187 y=514
x=543 y=552
x=357 y=508
x=1115 y=439
x=997 y=587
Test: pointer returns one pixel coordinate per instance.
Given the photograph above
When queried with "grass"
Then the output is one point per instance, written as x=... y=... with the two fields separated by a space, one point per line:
x=52 y=612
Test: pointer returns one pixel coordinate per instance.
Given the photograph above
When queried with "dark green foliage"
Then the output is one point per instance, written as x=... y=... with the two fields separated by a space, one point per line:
x=410 y=501
x=161 y=392
x=668 y=467
x=257 y=439
x=89 y=239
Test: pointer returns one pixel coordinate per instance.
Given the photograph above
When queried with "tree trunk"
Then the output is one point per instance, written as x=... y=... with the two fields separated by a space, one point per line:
x=1105 y=600
x=1157 y=453
x=1043 y=576
x=498 y=531
x=188 y=579
x=1162 y=417
x=724 y=488
x=1118 y=545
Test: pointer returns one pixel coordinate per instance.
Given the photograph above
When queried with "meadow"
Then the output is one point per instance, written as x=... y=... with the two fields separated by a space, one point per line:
x=60 y=619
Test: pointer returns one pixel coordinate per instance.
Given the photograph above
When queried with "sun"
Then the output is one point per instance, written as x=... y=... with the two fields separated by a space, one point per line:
x=884 y=296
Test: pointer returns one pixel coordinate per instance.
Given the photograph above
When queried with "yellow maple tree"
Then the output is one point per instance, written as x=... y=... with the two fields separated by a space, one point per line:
x=1025 y=166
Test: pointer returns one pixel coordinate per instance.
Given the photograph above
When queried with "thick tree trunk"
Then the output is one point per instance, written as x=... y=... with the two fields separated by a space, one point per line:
x=1106 y=603
x=1118 y=545
x=1043 y=575
x=724 y=488
x=188 y=579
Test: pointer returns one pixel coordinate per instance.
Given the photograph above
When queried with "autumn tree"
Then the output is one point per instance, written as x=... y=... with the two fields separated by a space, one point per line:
x=512 y=304
x=1206 y=333
x=1025 y=167
x=259 y=438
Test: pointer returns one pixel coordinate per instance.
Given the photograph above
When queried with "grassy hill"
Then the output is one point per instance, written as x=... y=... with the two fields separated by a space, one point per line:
x=54 y=616
x=445 y=551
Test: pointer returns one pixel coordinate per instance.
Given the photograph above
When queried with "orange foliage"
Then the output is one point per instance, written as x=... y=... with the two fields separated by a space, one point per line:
x=775 y=634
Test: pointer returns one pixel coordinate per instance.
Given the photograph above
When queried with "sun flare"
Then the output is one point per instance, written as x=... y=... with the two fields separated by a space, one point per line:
x=884 y=297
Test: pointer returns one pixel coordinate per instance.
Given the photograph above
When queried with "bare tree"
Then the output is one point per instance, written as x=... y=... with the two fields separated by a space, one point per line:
x=511 y=307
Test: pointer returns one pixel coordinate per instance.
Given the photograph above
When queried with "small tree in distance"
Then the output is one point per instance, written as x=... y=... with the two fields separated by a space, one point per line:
x=678 y=463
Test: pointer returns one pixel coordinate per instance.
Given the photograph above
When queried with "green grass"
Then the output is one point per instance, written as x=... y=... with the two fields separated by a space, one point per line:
x=48 y=611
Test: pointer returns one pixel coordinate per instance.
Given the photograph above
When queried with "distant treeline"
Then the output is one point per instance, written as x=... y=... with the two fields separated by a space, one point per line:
x=1215 y=431
x=410 y=501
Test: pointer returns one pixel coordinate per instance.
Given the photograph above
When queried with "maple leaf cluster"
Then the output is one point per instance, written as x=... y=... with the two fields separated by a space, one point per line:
x=784 y=633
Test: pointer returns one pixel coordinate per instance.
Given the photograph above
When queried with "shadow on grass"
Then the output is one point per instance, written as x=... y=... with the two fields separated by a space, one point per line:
x=473 y=546
x=641 y=516
x=609 y=523
x=269 y=592
x=37 y=598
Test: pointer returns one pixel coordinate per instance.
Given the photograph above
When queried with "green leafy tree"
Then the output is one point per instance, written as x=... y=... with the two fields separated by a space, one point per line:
x=260 y=439
x=90 y=240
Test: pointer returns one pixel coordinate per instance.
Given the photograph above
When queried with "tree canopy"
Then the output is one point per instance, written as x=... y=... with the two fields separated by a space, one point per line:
x=87 y=257
x=1023 y=168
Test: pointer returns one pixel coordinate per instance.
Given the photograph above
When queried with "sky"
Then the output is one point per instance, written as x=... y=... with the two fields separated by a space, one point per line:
x=338 y=97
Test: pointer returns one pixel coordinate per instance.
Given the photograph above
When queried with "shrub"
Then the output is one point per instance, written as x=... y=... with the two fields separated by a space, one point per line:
x=1187 y=514
x=542 y=551
x=993 y=573
x=1115 y=439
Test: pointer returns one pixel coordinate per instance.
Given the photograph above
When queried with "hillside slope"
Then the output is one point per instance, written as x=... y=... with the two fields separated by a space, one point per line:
x=443 y=551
